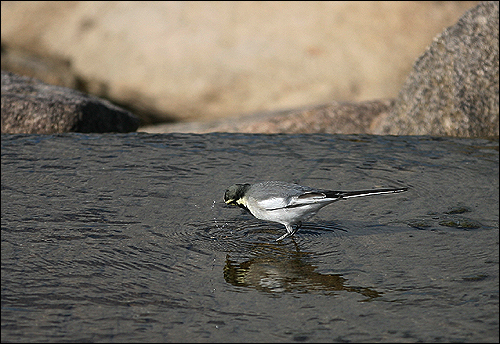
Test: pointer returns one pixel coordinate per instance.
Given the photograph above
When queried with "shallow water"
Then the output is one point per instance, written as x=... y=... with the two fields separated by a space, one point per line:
x=125 y=238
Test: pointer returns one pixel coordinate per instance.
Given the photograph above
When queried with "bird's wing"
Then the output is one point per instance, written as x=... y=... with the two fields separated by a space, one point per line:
x=291 y=196
x=312 y=197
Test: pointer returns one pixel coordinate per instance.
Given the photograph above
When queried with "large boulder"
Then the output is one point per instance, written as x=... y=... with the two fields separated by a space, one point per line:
x=33 y=107
x=453 y=89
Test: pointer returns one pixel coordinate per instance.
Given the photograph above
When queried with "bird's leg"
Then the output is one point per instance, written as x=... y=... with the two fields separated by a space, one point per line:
x=290 y=231
x=283 y=236
x=297 y=227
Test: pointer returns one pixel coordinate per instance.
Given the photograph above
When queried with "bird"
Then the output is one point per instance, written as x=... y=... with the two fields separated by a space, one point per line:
x=287 y=203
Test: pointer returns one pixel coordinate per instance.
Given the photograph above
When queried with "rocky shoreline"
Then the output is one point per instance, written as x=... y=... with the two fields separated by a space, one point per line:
x=453 y=90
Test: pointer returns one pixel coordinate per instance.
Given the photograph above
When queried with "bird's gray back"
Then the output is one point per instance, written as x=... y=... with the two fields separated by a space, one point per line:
x=275 y=189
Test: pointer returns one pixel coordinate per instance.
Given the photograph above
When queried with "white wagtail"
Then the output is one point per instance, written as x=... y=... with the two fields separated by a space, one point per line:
x=289 y=204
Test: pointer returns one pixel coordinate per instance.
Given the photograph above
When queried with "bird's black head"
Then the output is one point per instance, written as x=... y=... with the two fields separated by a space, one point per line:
x=234 y=193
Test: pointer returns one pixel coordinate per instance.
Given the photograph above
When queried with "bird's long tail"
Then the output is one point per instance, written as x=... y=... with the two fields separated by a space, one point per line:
x=360 y=193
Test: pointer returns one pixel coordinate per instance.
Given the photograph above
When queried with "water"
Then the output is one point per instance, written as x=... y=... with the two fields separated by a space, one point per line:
x=125 y=238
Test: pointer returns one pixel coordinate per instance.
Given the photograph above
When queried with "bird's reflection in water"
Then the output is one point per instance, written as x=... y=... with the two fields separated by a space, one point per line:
x=282 y=271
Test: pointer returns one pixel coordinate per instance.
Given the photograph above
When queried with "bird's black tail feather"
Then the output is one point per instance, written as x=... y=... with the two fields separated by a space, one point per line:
x=360 y=193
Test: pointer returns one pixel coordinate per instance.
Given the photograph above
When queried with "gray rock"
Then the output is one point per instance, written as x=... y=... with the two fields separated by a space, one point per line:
x=331 y=118
x=453 y=89
x=33 y=107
